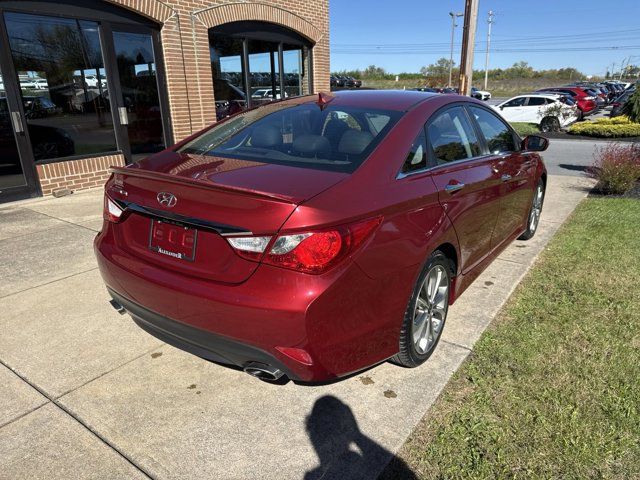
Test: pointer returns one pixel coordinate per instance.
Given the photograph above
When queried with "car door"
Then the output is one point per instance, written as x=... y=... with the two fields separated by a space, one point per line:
x=514 y=110
x=513 y=167
x=536 y=108
x=468 y=187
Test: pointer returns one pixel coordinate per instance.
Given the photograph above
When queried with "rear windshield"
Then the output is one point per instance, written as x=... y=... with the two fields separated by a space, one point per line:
x=336 y=138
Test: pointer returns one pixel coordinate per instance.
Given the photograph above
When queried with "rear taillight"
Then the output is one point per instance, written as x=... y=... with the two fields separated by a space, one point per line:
x=310 y=251
x=112 y=212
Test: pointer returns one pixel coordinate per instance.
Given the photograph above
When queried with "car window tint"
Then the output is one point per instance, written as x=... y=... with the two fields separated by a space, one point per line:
x=452 y=137
x=497 y=134
x=417 y=156
x=536 y=101
x=516 y=102
x=298 y=134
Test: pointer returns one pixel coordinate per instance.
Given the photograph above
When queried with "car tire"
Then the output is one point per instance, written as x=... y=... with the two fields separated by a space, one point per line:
x=533 y=219
x=426 y=312
x=550 y=124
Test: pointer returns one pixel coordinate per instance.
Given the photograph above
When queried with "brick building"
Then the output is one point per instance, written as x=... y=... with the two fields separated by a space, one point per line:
x=88 y=83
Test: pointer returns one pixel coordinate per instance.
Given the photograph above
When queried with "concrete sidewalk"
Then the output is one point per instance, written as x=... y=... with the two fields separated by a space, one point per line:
x=84 y=393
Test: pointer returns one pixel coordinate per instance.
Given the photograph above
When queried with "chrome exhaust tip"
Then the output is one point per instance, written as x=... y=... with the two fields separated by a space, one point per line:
x=119 y=308
x=263 y=371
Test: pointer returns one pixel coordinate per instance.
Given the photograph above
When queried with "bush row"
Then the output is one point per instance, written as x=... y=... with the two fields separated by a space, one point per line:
x=616 y=127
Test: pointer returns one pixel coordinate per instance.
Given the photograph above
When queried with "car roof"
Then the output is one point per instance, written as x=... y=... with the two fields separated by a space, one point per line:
x=398 y=100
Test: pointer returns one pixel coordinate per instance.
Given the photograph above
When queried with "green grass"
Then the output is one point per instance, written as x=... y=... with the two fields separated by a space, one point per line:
x=552 y=389
x=524 y=128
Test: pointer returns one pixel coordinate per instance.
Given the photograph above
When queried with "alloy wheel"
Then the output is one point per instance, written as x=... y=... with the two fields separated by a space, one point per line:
x=536 y=209
x=430 y=310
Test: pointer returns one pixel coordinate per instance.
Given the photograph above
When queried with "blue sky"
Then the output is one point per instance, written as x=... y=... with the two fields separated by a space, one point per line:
x=565 y=33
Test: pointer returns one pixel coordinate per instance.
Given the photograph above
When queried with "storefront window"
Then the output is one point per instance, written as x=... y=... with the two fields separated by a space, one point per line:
x=264 y=68
x=63 y=85
x=292 y=67
x=269 y=58
x=228 y=80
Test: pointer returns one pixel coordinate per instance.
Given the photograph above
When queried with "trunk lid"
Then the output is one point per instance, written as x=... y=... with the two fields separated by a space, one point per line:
x=215 y=197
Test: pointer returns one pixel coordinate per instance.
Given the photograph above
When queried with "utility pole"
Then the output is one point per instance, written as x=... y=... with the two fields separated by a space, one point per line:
x=453 y=15
x=468 y=43
x=486 y=57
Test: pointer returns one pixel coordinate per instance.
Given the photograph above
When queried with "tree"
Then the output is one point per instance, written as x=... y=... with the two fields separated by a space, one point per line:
x=632 y=107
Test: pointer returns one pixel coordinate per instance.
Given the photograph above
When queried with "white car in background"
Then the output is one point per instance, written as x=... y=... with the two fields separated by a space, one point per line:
x=480 y=94
x=549 y=111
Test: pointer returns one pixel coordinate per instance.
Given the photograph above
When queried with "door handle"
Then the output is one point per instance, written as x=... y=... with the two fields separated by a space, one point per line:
x=16 y=118
x=505 y=178
x=124 y=118
x=453 y=187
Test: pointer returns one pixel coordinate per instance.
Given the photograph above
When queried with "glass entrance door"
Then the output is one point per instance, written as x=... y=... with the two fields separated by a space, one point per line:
x=11 y=173
x=140 y=109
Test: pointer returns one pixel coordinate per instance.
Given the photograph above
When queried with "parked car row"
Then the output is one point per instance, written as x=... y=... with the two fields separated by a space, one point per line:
x=475 y=93
x=555 y=107
x=344 y=81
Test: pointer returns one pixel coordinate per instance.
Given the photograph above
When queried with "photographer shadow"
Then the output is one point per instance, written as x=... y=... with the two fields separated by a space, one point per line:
x=344 y=451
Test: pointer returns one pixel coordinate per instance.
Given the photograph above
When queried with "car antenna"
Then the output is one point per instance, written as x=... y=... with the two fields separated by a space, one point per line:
x=324 y=99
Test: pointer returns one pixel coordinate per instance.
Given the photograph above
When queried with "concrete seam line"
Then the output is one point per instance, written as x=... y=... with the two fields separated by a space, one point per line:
x=24 y=414
x=109 y=371
x=47 y=283
x=77 y=419
x=58 y=218
x=456 y=344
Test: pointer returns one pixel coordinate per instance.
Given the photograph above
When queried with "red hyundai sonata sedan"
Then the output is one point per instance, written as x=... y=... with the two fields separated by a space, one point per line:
x=317 y=236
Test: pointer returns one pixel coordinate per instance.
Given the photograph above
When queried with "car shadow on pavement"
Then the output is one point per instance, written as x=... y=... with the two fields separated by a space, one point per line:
x=344 y=451
x=575 y=168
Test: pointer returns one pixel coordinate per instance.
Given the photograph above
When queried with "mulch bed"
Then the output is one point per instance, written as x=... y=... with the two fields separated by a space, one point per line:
x=567 y=136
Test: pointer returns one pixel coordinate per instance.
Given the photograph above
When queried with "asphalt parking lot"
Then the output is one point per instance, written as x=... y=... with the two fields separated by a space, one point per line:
x=84 y=393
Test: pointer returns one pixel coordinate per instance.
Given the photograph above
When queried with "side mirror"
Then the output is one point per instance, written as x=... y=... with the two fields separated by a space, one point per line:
x=535 y=143
x=501 y=107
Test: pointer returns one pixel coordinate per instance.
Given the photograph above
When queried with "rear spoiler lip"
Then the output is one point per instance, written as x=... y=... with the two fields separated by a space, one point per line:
x=202 y=184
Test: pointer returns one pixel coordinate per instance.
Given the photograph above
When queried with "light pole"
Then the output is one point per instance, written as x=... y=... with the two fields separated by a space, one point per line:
x=453 y=15
x=486 y=57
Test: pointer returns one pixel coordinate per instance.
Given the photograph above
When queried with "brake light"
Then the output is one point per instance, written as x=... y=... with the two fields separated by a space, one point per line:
x=310 y=251
x=112 y=211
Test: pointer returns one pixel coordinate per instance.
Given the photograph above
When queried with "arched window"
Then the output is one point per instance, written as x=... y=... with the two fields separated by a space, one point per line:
x=257 y=62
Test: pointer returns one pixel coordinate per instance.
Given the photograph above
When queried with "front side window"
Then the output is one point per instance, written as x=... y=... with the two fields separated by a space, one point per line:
x=63 y=85
x=301 y=135
x=516 y=102
x=452 y=137
x=496 y=133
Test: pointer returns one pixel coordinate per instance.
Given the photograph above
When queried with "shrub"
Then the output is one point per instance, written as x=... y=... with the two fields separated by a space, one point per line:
x=523 y=128
x=616 y=167
x=632 y=107
x=616 y=127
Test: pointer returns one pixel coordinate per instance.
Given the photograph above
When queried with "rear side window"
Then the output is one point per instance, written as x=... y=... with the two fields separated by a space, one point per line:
x=417 y=156
x=336 y=138
x=497 y=134
x=536 y=101
x=452 y=137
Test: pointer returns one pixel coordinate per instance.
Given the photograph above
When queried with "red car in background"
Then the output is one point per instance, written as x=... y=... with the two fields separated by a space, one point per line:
x=585 y=101
x=316 y=236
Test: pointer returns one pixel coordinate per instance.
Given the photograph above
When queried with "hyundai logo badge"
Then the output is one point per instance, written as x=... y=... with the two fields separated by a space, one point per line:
x=167 y=199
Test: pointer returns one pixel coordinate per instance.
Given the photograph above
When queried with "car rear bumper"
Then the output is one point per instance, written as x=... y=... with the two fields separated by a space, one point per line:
x=344 y=320
x=199 y=342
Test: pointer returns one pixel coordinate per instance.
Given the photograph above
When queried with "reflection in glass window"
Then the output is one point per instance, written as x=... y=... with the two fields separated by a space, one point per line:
x=228 y=81
x=137 y=72
x=264 y=77
x=62 y=81
x=498 y=135
x=292 y=67
x=452 y=137
x=417 y=156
